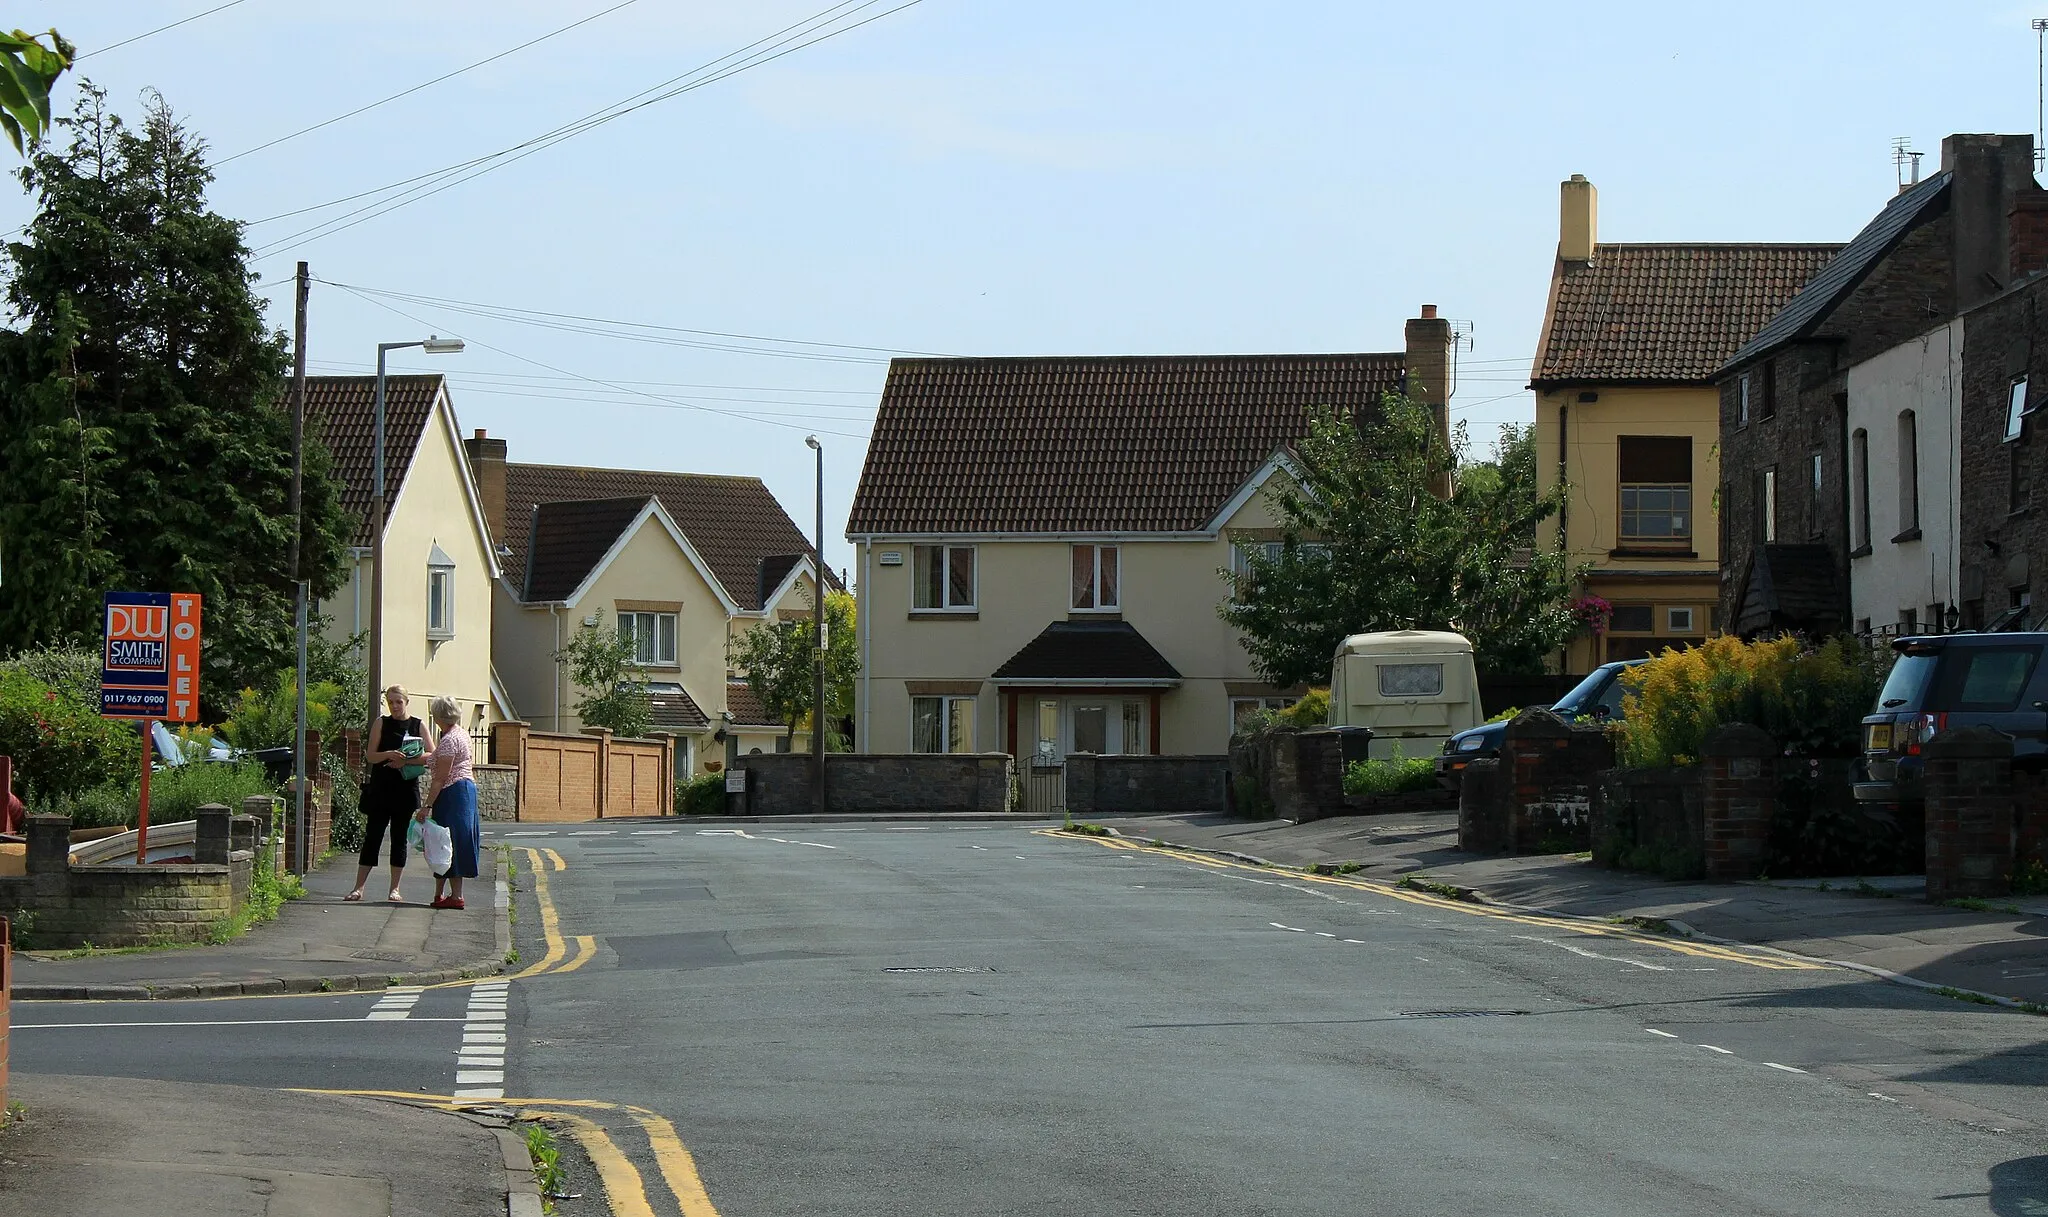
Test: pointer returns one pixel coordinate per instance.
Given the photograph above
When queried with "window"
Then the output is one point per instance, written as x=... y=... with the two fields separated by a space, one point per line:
x=2019 y=483
x=1095 y=578
x=1091 y=729
x=1742 y=401
x=1244 y=709
x=945 y=578
x=1767 y=507
x=440 y=594
x=1633 y=619
x=1770 y=403
x=1656 y=488
x=652 y=636
x=1909 y=476
x=1984 y=679
x=1909 y=621
x=1134 y=728
x=1679 y=620
x=2016 y=408
x=1411 y=679
x=942 y=724
x=1859 y=500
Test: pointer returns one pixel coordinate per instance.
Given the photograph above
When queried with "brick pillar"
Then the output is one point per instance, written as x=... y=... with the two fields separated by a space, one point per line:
x=49 y=845
x=667 y=740
x=213 y=835
x=508 y=747
x=265 y=811
x=1083 y=772
x=313 y=742
x=1547 y=772
x=1969 y=813
x=1482 y=818
x=2030 y=819
x=352 y=753
x=1739 y=795
x=604 y=764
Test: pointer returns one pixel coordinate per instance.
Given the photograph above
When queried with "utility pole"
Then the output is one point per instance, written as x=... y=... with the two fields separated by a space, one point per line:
x=818 y=636
x=303 y=860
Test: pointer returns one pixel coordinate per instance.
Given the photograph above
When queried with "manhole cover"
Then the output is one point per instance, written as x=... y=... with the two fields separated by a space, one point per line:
x=930 y=971
x=1461 y=1013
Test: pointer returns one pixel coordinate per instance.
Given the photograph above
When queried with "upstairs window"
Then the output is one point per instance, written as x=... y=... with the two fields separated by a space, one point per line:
x=1767 y=506
x=945 y=579
x=652 y=637
x=1656 y=489
x=440 y=595
x=2016 y=408
x=1859 y=497
x=1095 y=585
x=1909 y=474
x=1742 y=401
x=1769 y=407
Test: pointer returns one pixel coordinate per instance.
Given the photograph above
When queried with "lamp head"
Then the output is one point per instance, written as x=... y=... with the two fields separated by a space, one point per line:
x=811 y=442
x=441 y=346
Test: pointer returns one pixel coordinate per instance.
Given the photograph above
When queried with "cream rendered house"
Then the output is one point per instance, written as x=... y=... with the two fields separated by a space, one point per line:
x=680 y=563
x=437 y=590
x=1040 y=543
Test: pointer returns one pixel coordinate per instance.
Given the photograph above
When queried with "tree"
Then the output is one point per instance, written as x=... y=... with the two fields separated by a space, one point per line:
x=27 y=70
x=144 y=439
x=777 y=660
x=614 y=688
x=1366 y=546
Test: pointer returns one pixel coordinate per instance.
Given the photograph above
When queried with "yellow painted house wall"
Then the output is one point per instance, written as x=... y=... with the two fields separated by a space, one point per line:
x=1170 y=590
x=433 y=507
x=1593 y=511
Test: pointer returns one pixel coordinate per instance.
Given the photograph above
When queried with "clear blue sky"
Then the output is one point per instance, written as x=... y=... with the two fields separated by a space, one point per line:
x=1058 y=176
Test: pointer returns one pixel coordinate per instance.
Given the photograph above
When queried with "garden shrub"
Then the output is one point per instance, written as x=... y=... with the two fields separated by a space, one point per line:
x=269 y=718
x=60 y=744
x=700 y=796
x=1396 y=775
x=1811 y=699
x=1313 y=710
x=176 y=794
x=73 y=673
x=347 y=826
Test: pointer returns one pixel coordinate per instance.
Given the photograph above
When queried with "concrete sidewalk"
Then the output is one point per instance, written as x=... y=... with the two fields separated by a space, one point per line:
x=94 y=1146
x=317 y=944
x=1879 y=925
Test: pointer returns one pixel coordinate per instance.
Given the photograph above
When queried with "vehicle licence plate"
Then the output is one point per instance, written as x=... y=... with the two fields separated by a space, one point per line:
x=1878 y=737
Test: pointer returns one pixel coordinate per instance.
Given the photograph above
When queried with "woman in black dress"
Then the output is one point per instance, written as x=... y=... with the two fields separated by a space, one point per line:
x=389 y=797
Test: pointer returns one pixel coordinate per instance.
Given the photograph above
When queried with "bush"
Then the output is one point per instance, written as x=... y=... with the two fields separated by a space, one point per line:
x=60 y=744
x=73 y=673
x=700 y=796
x=99 y=807
x=176 y=795
x=1313 y=710
x=268 y=719
x=348 y=827
x=1810 y=699
x=1396 y=775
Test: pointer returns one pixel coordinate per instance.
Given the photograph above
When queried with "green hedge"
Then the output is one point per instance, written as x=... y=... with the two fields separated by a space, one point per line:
x=700 y=796
x=60 y=744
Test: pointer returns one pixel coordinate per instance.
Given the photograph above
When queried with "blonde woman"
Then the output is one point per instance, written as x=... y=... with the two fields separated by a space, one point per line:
x=451 y=799
x=389 y=797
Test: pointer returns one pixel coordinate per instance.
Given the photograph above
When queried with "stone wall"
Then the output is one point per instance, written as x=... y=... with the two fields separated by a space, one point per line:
x=1651 y=820
x=1970 y=839
x=63 y=905
x=1549 y=768
x=2000 y=481
x=1482 y=811
x=779 y=784
x=1145 y=785
x=497 y=792
x=1741 y=798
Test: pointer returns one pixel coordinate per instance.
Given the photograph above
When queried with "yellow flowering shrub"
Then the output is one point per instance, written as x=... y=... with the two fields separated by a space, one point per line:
x=1810 y=698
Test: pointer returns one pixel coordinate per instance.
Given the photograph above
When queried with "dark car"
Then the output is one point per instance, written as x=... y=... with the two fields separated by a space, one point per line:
x=1954 y=680
x=1598 y=697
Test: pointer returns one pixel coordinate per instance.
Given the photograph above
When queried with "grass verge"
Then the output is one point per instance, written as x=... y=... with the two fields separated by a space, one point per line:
x=1449 y=891
x=547 y=1164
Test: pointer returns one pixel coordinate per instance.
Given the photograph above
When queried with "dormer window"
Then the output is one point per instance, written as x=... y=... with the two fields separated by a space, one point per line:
x=440 y=595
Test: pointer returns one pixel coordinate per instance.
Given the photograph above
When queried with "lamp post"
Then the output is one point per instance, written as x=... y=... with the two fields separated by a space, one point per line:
x=818 y=635
x=432 y=345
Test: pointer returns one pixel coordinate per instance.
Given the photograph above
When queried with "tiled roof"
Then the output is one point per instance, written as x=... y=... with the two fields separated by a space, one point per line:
x=1665 y=313
x=1142 y=443
x=732 y=522
x=675 y=710
x=745 y=708
x=1812 y=305
x=1088 y=650
x=343 y=408
x=567 y=538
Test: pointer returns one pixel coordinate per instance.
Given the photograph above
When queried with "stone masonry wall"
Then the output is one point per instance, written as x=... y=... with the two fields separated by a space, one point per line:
x=497 y=792
x=63 y=905
x=780 y=784
x=2004 y=483
x=1651 y=820
x=1548 y=770
x=1740 y=798
x=1969 y=813
x=1143 y=785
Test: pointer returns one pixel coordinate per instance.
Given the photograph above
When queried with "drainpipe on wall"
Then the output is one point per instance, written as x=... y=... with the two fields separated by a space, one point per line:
x=1564 y=509
x=867 y=632
x=555 y=611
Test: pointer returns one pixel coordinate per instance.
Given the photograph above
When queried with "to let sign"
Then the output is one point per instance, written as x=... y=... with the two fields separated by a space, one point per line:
x=150 y=666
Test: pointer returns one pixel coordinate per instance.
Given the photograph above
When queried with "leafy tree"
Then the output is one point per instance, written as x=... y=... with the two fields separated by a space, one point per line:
x=27 y=70
x=777 y=659
x=1366 y=546
x=144 y=442
x=614 y=688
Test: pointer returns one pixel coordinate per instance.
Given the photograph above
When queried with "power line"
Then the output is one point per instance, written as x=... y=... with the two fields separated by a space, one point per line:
x=427 y=85
x=430 y=184
x=160 y=29
x=534 y=378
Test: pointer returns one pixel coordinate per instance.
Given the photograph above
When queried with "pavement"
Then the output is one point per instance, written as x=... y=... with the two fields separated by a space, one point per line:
x=1883 y=924
x=92 y=1146
x=317 y=944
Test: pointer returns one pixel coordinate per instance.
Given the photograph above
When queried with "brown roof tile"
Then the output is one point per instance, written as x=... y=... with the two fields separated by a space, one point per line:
x=1141 y=443
x=734 y=523
x=1666 y=313
x=343 y=409
x=567 y=538
x=674 y=709
x=745 y=708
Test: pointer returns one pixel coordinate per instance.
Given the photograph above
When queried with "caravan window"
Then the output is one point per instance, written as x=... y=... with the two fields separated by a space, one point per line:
x=1411 y=679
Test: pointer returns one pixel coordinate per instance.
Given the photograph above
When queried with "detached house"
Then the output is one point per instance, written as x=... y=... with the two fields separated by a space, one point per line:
x=1628 y=417
x=437 y=543
x=679 y=563
x=1040 y=543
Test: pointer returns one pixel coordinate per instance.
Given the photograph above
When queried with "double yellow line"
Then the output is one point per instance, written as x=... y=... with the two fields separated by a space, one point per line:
x=624 y=1187
x=542 y=861
x=1698 y=950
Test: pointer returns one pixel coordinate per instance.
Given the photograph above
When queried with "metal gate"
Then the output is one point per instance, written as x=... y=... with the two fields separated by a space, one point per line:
x=1045 y=789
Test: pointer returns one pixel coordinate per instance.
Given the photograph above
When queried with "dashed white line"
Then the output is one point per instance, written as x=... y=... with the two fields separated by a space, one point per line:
x=1292 y=929
x=1712 y=1048
x=655 y=832
x=1322 y=934
x=1887 y=1098
x=1584 y=953
x=1666 y=1034
x=911 y=828
x=594 y=832
x=480 y=1061
x=1356 y=942
x=1786 y=1068
x=530 y=834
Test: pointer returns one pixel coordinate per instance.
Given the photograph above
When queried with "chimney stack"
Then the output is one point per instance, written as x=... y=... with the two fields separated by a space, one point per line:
x=1427 y=371
x=1991 y=174
x=1578 y=227
x=487 y=466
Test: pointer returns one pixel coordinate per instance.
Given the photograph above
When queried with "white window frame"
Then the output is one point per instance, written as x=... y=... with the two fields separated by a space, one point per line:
x=1691 y=619
x=1859 y=496
x=1095 y=578
x=1909 y=471
x=653 y=620
x=1742 y=401
x=2015 y=408
x=949 y=706
x=445 y=576
x=1770 y=506
x=1275 y=704
x=921 y=555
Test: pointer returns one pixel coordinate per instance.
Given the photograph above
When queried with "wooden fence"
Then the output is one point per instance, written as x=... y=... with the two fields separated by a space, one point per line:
x=587 y=776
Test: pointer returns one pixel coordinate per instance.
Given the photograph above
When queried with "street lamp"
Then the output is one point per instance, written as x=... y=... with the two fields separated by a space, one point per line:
x=818 y=635
x=432 y=345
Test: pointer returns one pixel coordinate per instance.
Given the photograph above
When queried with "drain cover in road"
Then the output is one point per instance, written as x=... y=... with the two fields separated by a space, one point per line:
x=1461 y=1013
x=930 y=971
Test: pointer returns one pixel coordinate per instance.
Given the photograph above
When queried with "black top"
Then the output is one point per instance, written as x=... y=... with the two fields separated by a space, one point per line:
x=387 y=784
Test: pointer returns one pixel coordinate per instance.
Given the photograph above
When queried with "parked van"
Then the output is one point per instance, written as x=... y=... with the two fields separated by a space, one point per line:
x=1414 y=688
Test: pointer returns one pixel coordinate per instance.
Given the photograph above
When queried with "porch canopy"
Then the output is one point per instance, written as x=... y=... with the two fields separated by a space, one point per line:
x=1095 y=654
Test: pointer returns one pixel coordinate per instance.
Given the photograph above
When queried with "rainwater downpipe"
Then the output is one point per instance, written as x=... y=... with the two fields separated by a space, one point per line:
x=867 y=632
x=1564 y=507
x=555 y=611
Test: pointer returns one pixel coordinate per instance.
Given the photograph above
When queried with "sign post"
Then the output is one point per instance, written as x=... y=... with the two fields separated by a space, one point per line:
x=149 y=672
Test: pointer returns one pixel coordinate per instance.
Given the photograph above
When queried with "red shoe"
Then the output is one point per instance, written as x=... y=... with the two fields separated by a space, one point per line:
x=444 y=902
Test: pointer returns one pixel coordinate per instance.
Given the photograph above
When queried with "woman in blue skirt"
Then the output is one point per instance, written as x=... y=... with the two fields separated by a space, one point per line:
x=451 y=800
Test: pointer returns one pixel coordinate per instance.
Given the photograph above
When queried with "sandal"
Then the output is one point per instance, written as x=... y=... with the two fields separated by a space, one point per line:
x=394 y=897
x=353 y=897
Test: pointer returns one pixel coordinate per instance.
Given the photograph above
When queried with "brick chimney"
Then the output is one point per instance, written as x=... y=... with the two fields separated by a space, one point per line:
x=1428 y=369
x=487 y=466
x=1578 y=219
x=1991 y=174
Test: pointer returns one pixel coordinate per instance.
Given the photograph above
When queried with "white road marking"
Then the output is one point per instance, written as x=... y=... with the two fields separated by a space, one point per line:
x=493 y=1092
x=482 y=1077
x=1887 y=1098
x=725 y=832
x=983 y=848
x=1323 y=934
x=1712 y=1048
x=1356 y=942
x=530 y=834
x=1786 y=1068
x=655 y=832
x=1666 y=1034
x=1289 y=928
x=1581 y=951
x=480 y=1061
x=244 y=1022
x=819 y=845
x=912 y=828
x=594 y=832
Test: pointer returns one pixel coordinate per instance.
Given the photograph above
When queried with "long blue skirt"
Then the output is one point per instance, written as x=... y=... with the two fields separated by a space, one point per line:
x=455 y=810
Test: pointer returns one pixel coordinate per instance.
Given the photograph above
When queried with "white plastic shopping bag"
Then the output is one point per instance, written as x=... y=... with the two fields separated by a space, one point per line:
x=438 y=845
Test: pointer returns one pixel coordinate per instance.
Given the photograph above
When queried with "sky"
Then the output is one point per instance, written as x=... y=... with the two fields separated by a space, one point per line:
x=731 y=267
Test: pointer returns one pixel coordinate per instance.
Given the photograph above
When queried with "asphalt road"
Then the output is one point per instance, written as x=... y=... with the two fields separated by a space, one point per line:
x=897 y=1019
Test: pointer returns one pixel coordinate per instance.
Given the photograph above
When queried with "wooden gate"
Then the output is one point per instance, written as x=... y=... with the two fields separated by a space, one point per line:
x=1045 y=790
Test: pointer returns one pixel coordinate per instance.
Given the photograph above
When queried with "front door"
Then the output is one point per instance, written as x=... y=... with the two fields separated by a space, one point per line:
x=1102 y=726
